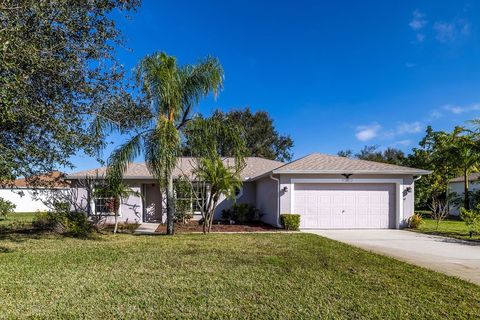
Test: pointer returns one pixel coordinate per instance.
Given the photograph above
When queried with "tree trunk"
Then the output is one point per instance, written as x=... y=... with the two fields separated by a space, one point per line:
x=117 y=209
x=116 y=223
x=170 y=205
x=466 y=195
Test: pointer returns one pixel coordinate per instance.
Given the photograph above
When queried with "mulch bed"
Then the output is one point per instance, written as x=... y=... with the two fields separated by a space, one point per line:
x=220 y=227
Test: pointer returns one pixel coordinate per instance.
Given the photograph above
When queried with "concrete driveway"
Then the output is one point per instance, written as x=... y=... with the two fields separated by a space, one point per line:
x=450 y=256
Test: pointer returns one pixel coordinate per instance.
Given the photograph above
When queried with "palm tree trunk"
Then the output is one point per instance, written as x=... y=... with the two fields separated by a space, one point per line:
x=116 y=223
x=117 y=209
x=170 y=205
x=466 y=195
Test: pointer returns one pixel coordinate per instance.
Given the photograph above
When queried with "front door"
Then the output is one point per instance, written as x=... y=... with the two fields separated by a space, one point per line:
x=152 y=209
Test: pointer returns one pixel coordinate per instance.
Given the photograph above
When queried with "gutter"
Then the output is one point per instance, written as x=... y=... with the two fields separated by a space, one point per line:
x=278 y=198
x=392 y=172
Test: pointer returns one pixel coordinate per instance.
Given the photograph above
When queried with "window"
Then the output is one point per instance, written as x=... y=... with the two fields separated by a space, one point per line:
x=187 y=198
x=105 y=206
x=197 y=200
x=103 y=203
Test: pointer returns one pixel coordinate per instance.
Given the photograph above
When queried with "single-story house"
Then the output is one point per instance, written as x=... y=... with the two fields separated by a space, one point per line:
x=457 y=186
x=327 y=191
x=32 y=195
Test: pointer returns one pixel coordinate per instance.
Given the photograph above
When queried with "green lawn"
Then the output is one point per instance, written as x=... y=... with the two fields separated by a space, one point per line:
x=21 y=217
x=448 y=228
x=257 y=276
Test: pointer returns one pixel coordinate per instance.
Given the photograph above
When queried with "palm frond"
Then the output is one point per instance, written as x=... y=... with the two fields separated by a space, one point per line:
x=204 y=137
x=199 y=81
x=122 y=156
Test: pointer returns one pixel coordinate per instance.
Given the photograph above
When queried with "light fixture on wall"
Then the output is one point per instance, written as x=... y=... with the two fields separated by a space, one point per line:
x=408 y=189
x=285 y=189
x=347 y=175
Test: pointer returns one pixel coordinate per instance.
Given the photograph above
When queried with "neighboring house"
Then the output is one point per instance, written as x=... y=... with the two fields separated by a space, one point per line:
x=31 y=195
x=457 y=186
x=327 y=191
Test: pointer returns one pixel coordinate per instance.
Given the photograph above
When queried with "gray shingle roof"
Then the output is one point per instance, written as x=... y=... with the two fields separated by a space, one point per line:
x=471 y=177
x=323 y=163
x=255 y=167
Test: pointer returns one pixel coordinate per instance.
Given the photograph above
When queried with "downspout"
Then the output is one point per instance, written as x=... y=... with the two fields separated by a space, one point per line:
x=278 y=198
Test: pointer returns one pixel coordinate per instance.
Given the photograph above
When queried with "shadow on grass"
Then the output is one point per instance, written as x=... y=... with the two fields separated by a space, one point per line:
x=22 y=235
x=454 y=237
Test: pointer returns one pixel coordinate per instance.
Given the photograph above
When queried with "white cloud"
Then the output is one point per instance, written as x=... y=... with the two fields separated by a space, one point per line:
x=375 y=130
x=417 y=24
x=418 y=21
x=365 y=133
x=455 y=109
x=445 y=31
x=451 y=31
x=412 y=127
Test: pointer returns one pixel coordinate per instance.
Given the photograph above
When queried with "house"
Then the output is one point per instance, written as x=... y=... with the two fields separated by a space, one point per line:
x=327 y=191
x=31 y=195
x=457 y=187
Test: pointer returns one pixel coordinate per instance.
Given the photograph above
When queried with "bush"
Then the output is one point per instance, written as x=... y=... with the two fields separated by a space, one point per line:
x=415 y=221
x=242 y=212
x=6 y=208
x=472 y=219
x=62 y=220
x=290 y=221
x=47 y=221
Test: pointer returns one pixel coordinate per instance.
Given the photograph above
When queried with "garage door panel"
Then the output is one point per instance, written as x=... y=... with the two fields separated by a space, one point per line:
x=345 y=206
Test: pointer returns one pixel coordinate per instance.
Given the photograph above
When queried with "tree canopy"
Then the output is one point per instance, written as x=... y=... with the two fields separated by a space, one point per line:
x=172 y=91
x=60 y=84
x=261 y=137
x=372 y=153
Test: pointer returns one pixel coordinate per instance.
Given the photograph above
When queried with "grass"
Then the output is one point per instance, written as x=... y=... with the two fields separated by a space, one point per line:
x=448 y=228
x=256 y=276
x=18 y=217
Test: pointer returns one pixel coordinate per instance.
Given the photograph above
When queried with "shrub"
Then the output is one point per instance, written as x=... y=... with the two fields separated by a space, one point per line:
x=242 y=212
x=62 y=220
x=45 y=221
x=415 y=221
x=6 y=208
x=290 y=221
x=472 y=219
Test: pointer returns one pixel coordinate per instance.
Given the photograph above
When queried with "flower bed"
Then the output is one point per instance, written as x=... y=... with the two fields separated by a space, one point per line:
x=194 y=226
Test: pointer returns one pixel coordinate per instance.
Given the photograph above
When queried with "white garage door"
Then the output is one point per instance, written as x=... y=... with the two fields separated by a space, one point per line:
x=345 y=206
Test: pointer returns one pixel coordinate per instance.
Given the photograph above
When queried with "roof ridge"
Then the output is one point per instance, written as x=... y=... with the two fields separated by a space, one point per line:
x=363 y=160
x=330 y=163
x=301 y=158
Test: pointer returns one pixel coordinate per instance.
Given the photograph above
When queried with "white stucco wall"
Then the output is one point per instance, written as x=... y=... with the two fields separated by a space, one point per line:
x=25 y=199
x=459 y=189
x=131 y=209
x=248 y=196
x=267 y=200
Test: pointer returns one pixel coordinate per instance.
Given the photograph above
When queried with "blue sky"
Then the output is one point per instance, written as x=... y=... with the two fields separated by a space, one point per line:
x=333 y=75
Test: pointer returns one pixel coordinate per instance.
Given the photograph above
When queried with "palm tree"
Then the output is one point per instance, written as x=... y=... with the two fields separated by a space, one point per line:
x=465 y=149
x=215 y=179
x=172 y=91
x=211 y=177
